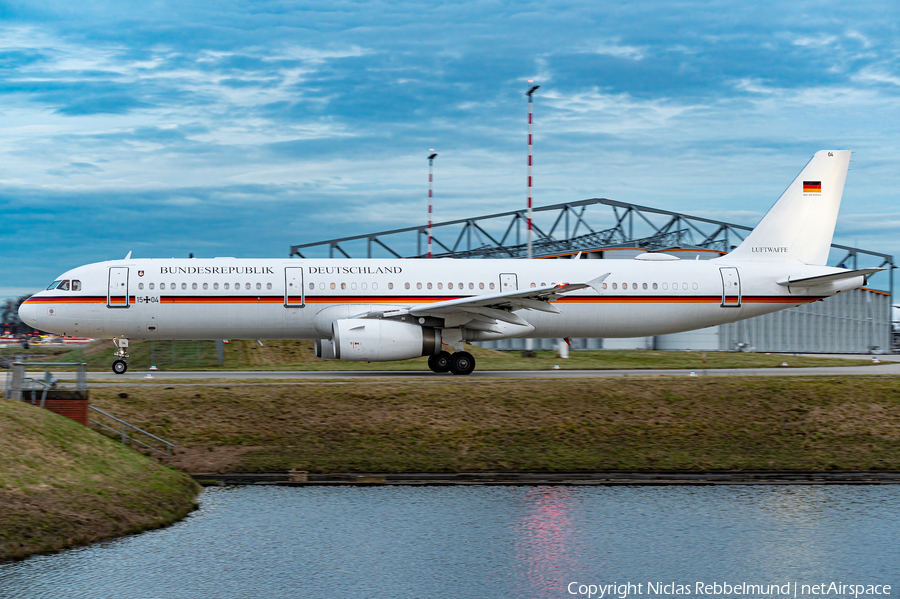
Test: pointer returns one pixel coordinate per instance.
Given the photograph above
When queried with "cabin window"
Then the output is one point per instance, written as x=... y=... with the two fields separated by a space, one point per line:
x=226 y=286
x=604 y=285
x=406 y=285
x=171 y=285
x=311 y=286
x=184 y=285
x=684 y=286
x=332 y=285
x=63 y=285
x=481 y=285
x=151 y=285
x=471 y=285
x=492 y=285
x=53 y=285
x=76 y=285
x=543 y=284
x=615 y=286
x=193 y=285
x=215 y=286
x=440 y=285
x=449 y=285
x=343 y=285
x=695 y=286
x=363 y=285
x=246 y=285
x=353 y=285
x=418 y=285
x=162 y=285
x=655 y=286
x=644 y=285
x=533 y=285
x=429 y=285
x=140 y=285
x=268 y=285
x=321 y=285
x=206 y=285
x=259 y=285
x=674 y=286
x=390 y=285
x=460 y=285
x=374 y=285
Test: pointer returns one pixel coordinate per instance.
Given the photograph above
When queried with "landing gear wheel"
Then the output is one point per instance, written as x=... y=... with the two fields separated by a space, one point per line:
x=440 y=362
x=462 y=363
x=119 y=366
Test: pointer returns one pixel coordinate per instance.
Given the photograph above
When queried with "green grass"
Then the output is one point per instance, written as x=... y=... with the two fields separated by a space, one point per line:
x=299 y=355
x=739 y=423
x=62 y=485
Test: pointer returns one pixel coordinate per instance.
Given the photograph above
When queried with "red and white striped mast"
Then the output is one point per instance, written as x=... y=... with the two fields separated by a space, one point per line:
x=530 y=110
x=430 y=181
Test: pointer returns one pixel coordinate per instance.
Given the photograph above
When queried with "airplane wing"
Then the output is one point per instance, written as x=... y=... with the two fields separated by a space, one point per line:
x=824 y=279
x=499 y=306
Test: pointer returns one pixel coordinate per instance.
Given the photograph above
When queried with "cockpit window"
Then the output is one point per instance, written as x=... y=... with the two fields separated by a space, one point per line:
x=53 y=285
x=76 y=285
x=64 y=286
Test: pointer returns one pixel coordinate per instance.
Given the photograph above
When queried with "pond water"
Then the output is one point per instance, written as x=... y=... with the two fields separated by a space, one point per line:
x=482 y=541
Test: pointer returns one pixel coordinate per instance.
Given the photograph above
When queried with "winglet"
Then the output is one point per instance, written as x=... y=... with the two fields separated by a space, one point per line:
x=595 y=283
x=128 y=257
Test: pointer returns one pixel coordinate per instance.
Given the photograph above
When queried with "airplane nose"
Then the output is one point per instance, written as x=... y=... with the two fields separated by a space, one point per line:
x=28 y=315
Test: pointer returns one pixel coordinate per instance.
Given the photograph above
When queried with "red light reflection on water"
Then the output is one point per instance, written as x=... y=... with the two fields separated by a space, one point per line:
x=545 y=538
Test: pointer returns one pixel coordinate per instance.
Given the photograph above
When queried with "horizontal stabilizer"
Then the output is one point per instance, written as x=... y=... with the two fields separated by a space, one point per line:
x=825 y=279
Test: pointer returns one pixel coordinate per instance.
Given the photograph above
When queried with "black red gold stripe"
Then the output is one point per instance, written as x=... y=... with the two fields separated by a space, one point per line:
x=812 y=187
x=409 y=300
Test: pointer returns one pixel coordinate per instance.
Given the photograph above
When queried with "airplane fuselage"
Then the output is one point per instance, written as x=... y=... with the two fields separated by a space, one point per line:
x=227 y=298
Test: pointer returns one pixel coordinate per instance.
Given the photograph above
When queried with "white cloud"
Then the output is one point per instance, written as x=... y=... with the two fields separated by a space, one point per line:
x=874 y=74
x=619 y=51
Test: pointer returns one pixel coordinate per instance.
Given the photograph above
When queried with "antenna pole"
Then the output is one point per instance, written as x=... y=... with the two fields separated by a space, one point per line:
x=430 y=181
x=530 y=110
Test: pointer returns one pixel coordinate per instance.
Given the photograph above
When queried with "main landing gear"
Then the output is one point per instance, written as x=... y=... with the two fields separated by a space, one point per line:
x=120 y=366
x=459 y=363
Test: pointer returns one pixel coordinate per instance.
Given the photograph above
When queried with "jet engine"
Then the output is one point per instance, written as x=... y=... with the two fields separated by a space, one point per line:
x=324 y=349
x=374 y=340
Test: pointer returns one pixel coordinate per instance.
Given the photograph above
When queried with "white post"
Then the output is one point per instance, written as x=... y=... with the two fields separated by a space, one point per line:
x=430 y=180
x=530 y=111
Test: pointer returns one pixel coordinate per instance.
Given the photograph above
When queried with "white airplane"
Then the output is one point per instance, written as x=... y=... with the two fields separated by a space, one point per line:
x=381 y=310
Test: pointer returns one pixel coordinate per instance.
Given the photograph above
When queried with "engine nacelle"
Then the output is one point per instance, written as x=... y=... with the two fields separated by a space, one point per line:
x=324 y=349
x=374 y=340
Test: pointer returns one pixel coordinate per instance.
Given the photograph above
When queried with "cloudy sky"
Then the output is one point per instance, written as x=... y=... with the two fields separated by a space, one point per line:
x=239 y=128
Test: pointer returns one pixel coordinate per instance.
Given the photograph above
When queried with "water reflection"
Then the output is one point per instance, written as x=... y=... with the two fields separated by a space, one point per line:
x=481 y=542
x=547 y=539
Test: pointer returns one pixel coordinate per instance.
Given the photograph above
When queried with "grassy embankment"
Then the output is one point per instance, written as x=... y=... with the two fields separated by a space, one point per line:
x=299 y=355
x=446 y=425
x=63 y=485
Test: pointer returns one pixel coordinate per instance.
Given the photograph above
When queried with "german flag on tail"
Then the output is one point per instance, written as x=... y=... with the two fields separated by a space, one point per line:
x=812 y=187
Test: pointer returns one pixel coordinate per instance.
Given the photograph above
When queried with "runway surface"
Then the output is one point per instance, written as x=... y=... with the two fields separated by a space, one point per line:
x=875 y=369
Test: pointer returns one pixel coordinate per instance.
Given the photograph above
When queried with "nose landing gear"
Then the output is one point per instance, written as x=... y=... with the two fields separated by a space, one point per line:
x=120 y=366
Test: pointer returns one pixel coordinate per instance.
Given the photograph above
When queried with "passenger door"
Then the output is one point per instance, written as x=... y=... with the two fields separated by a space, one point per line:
x=508 y=282
x=294 y=293
x=731 y=287
x=117 y=292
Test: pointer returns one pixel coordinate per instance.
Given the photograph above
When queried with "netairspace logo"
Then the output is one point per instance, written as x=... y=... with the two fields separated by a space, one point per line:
x=725 y=589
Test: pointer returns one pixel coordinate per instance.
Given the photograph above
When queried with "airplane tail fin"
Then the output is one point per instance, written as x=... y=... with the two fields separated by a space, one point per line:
x=800 y=226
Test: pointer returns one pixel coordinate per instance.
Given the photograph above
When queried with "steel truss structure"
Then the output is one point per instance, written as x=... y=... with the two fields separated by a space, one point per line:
x=587 y=226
